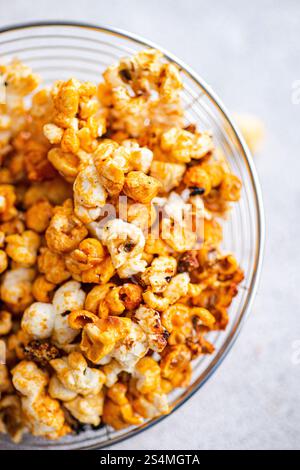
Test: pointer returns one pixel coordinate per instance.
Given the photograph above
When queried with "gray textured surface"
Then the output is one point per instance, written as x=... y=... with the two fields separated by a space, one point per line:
x=249 y=52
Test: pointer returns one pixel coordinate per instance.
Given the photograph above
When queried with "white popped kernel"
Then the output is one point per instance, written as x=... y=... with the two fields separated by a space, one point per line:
x=38 y=320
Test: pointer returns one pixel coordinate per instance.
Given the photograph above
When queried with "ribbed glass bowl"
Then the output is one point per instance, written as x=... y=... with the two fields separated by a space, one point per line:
x=64 y=50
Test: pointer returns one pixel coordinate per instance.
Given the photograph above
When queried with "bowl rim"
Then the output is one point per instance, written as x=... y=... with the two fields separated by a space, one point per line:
x=259 y=208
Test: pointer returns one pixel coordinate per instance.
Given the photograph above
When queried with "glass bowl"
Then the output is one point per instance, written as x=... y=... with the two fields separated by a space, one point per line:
x=62 y=50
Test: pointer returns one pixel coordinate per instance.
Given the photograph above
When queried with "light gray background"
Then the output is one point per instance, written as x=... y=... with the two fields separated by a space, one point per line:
x=249 y=52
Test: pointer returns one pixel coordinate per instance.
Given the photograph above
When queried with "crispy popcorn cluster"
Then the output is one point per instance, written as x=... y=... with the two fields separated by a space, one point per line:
x=103 y=316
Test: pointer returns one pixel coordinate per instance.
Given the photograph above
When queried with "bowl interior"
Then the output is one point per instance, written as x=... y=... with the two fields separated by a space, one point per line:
x=60 y=51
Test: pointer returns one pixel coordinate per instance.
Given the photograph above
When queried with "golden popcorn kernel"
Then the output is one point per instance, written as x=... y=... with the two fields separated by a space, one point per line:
x=101 y=273
x=215 y=171
x=65 y=231
x=53 y=133
x=42 y=290
x=53 y=266
x=230 y=189
x=70 y=142
x=66 y=163
x=111 y=176
x=140 y=187
x=66 y=98
x=23 y=248
x=131 y=295
x=197 y=180
x=38 y=216
x=147 y=374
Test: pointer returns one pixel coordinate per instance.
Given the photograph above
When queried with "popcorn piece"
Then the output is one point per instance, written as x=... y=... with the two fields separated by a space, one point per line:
x=215 y=171
x=23 y=248
x=151 y=405
x=142 y=91
x=177 y=317
x=147 y=375
x=117 y=410
x=40 y=352
x=59 y=391
x=125 y=243
x=53 y=266
x=159 y=274
x=131 y=267
x=155 y=301
x=100 y=338
x=76 y=120
x=65 y=231
x=112 y=162
x=230 y=189
x=183 y=146
x=140 y=187
x=89 y=254
x=43 y=415
x=198 y=180
x=131 y=295
x=130 y=348
x=87 y=409
x=95 y=297
x=168 y=174
x=140 y=157
x=53 y=133
x=100 y=273
x=111 y=371
x=42 y=289
x=19 y=82
x=37 y=166
x=68 y=297
x=38 y=216
x=178 y=287
x=16 y=288
x=89 y=194
x=149 y=320
x=66 y=163
x=78 y=319
x=75 y=375
x=175 y=365
x=38 y=320
x=28 y=379
x=111 y=176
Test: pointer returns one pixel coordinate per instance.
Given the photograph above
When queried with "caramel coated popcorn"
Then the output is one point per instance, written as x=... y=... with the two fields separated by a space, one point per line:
x=109 y=284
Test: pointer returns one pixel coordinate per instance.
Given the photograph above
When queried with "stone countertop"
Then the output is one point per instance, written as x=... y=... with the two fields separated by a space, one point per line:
x=249 y=53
